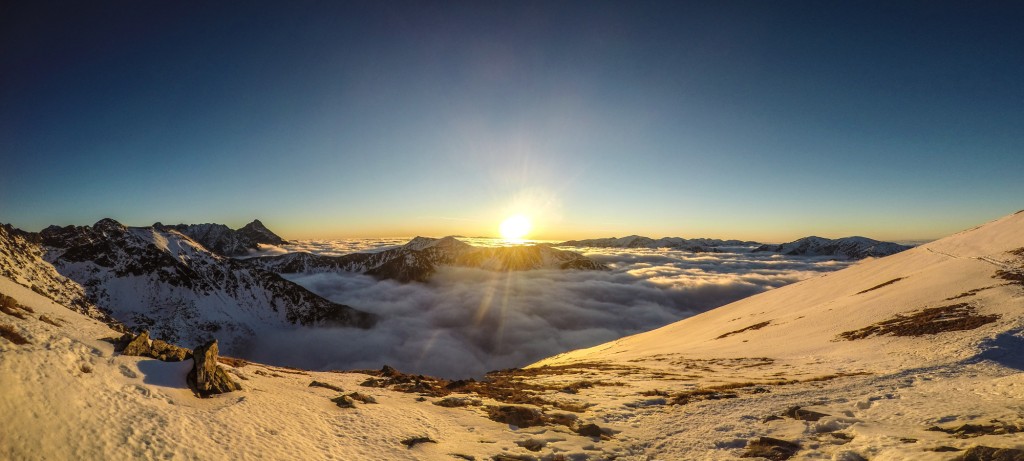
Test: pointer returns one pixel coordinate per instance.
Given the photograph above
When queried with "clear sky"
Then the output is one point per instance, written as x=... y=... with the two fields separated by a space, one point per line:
x=757 y=120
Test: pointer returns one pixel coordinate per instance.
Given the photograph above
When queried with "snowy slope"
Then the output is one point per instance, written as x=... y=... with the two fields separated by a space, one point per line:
x=418 y=259
x=846 y=247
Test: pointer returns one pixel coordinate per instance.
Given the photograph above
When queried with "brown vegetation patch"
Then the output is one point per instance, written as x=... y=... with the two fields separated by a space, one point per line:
x=733 y=390
x=955 y=317
x=506 y=386
x=9 y=333
x=756 y=326
x=880 y=285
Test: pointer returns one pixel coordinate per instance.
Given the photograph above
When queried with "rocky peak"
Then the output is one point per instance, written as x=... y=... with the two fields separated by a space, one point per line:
x=109 y=227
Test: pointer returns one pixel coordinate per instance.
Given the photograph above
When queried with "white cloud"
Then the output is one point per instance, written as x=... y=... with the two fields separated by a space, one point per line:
x=465 y=322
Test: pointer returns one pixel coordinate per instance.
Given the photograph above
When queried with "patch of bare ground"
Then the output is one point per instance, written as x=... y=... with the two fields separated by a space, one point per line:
x=970 y=293
x=934 y=320
x=756 y=326
x=506 y=386
x=880 y=285
x=1017 y=252
x=9 y=333
x=1015 y=277
x=734 y=390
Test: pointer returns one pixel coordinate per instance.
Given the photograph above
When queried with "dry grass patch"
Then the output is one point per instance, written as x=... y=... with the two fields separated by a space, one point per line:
x=9 y=333
x=880 y=285
x=955 y=317
x=756 y=326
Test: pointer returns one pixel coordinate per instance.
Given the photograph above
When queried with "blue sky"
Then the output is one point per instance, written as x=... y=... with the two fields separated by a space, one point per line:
x=758 y=120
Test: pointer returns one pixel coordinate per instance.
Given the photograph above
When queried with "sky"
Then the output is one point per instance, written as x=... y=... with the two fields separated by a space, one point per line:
x=756 y=120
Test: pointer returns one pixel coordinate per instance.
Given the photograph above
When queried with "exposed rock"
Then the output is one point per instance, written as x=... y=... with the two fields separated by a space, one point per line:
x=413 y=441
x=362 y=397
x=138 y=346
x=206 y=377
x=516 y=415
x=458 y=402
x=344 y=401
x=804 y=415
x=590 y=430
x=326 y=386
x=983 y=453
x=532 y=444
x=168 y=352
x=770 y=448
x=45 y=319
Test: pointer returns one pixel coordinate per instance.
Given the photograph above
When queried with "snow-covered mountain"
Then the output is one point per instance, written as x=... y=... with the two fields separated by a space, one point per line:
x=21 y=260
x=912 y=356
x=157 y=278
x=846 y=247
x=418 y=259
x=697 y=245
x=225 y=241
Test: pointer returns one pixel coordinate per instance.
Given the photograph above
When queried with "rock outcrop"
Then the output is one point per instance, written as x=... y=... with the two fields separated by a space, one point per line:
x=206 y=377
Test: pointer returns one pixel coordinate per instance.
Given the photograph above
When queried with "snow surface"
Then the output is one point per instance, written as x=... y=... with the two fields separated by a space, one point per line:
x=68 y=396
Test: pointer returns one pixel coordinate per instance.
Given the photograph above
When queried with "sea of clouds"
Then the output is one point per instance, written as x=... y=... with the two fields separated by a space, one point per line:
x=465 y=322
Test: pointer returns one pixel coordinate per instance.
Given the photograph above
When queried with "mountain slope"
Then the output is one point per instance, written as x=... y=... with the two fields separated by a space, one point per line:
x=418 y=259
x=159 y=279
x=846 y=247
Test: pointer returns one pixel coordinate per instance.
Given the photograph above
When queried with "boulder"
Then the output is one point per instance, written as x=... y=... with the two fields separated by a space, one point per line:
x=168 y=352
x=138 y=346
x=207 y=378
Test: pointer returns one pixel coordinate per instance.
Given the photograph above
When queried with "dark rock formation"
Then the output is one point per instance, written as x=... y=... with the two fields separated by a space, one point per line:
x=770 y=448
x=983 y=453
x=207 y=378
x=804 y=415
x=326 y=386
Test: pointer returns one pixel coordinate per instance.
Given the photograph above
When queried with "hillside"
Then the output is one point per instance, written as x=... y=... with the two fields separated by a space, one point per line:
x=912 y=356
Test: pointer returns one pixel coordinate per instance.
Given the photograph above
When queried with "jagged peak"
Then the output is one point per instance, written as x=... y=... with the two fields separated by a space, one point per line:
x=109 y=224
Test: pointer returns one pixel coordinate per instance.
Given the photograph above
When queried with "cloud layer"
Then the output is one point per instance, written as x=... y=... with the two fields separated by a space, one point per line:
x=465 y=322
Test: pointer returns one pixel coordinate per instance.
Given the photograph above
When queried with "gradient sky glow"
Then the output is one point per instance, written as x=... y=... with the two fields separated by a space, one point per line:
x=755 y=120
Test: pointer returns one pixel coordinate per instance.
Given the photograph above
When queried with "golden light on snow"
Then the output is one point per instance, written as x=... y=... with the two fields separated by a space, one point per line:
x=515 y=227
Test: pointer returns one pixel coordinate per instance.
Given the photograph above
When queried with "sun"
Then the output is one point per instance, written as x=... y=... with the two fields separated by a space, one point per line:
x=515 y=227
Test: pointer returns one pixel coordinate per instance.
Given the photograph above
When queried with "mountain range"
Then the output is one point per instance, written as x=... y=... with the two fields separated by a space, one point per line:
x=843 y=248
x=418 y=259
x=846 y=247
x=911 y=356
